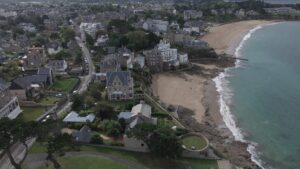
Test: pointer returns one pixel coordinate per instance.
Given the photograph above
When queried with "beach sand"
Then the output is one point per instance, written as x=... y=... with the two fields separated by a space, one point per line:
x=187 y=90
x=183 y=89
x=225 y=38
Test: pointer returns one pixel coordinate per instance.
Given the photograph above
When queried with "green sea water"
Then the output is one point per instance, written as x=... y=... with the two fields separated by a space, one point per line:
x=263 y=94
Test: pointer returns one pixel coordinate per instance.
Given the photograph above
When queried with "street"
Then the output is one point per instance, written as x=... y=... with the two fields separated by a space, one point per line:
x=19 y=150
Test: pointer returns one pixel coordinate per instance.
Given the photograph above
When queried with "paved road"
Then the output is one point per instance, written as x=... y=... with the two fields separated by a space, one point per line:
x=19 y=150
x=36 y=161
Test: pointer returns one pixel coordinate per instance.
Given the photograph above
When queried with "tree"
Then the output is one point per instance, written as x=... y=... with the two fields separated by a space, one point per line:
x=161 y=140
x=62 y=55
x=67 y=34
x=89 y=40
x=13 y=132
x=119 y=26
x=40 y=40
x=112 y=128
x=104 y=111
x=78 y=101
x=56 y=145
x=96 y=139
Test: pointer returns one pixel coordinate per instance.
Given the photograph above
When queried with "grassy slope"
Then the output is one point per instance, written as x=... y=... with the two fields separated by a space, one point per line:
x=198 y=142
x=142 y=158
x=88 y=163
x=32 y=113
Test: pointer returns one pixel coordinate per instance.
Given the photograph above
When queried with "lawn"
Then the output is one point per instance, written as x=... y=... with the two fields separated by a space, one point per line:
x=49 y=100
x=32 y=113
x=65 y=85
x=88 y=163
x=194 y=141
x=145 y=159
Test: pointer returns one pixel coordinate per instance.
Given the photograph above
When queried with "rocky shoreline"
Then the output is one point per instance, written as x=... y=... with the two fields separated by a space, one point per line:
x=213 y=126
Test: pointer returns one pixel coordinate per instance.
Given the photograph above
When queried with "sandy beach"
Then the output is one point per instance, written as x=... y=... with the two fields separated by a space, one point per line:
x=183 y=89
x=187 y=90
x=225 y=38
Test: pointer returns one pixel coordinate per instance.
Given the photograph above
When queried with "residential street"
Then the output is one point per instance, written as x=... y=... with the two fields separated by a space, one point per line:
x=85 y=80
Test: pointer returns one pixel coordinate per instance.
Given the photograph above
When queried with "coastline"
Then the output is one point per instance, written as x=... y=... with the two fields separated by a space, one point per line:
x=198 y=95
x=223 y=92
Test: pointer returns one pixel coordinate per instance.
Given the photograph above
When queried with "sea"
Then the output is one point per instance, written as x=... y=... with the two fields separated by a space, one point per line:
x=260 y=98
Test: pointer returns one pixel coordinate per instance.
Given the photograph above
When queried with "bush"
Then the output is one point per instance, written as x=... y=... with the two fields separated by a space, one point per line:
x=96 y=139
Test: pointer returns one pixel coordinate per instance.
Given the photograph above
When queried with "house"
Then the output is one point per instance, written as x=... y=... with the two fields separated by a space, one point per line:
x=53 y=48
x=27 y=27
x=31 y=86
x=59 y=67
x=76 y=70
x=35 y=58
x=157 y=26
x=154 y=60
x=240 y=13
x=84 y=135
x=169 y=55
x=192 y=14
x=140 y=113
x=9 y=105
x=119 y=85
x=102 y=40
x=48 y=73
x=282 y=11
x=91 y=28
x=28 y=86
x=74 y=117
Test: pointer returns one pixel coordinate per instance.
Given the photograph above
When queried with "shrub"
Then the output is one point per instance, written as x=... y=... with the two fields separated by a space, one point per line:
x=96 y=139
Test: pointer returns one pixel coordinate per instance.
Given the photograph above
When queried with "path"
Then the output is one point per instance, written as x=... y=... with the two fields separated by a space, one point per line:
x=224 y=164
x=37 y=161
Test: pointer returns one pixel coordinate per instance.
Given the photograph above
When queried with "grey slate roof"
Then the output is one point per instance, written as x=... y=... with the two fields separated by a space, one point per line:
x=44 y=71
x=83 y=135
x=56 y=63
x=140 y=119
x=25 y=82
x=124 y=76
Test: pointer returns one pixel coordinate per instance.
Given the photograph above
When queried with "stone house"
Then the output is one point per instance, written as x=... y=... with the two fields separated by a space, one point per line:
x=154 y=60
x=35 y=58
x=119 y=85
x=192 y=14
x=59 y=67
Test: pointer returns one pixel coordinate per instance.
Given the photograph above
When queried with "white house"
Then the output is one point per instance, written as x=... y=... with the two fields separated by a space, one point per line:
x=59 y=67
x=74 y=117
x=9 y=105
x=156 y=25
x=91 y=28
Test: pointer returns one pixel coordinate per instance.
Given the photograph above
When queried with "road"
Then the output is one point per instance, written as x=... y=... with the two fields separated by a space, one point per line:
x=19 y=150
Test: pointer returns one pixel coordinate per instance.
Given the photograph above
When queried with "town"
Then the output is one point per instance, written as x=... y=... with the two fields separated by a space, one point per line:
x=76 y=77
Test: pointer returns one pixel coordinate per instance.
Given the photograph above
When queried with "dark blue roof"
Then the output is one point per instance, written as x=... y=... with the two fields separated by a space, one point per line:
x=44 y=71
x=124 y=76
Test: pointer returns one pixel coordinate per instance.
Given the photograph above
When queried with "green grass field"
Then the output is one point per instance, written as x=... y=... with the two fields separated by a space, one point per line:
x=194 y=141
x=32 y=113
x=49 y=100
x=88 y=163
x=145 y=159
x=65 y=85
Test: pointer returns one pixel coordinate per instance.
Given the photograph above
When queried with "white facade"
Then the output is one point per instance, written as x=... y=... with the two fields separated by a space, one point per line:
x=11 y=109
x=156 y=25
x=91 y=28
